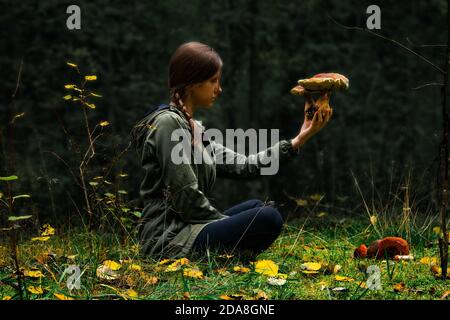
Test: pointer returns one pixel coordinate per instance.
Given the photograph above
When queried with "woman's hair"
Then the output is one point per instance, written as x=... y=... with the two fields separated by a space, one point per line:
x=192 y=63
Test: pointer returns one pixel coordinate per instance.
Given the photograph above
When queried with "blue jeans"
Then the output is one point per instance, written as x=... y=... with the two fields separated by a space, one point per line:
x=252 y=226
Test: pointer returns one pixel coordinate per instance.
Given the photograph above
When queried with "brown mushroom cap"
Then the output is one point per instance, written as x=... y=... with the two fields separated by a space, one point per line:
x=321 y=82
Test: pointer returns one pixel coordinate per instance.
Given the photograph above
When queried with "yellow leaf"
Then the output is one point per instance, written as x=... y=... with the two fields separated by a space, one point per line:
x=164 y=261
x=35 y=290
x=90 y=105
x=68 y=97
x=437 y=230
x=193 y=273
x=40 y=238
x=104 y=123
x=399 y=287
x=429 y=261
x=96 y=95
x=225 y=297
x=317 y=197
x=33 y=274
x=241 y=269
x=47 y=230
x=373 y=220
x=7 y=298
x=311 y=266
x=135 y=267
x=266 y=267
x=177 y=264
x=73 y=65
x=131 y=293
x=321 y=214
x=69 y=86
x=301 y=202
x=343 y=278
x=62 y=297
x=112 y=265
x=90 y=78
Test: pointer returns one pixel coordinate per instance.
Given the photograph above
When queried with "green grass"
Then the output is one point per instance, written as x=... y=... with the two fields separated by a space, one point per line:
x=329 y=240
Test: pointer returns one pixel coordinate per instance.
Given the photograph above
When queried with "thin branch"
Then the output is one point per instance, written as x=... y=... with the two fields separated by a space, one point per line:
x=428 y=84
x=18 y=80
x=425 y=45
x=390 y=40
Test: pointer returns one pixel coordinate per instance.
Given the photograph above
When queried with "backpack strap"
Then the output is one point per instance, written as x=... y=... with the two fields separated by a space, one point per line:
x=157 y=108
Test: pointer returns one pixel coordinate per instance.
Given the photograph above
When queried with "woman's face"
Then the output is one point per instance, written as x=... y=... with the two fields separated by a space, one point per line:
x=205 y=93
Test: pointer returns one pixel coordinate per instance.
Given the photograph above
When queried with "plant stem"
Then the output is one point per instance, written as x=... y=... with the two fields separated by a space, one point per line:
x=443 y=244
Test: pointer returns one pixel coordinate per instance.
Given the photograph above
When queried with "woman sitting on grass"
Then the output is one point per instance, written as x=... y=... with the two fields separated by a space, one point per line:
x=178 y=219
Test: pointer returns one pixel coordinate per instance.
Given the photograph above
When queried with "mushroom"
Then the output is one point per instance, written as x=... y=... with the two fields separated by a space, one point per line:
x=379 y=249
x=319 y=83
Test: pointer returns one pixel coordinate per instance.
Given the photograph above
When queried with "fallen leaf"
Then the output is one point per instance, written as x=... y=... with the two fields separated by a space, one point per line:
x=373 y=220
x=112 y=265
x=343 y=278
x=399 y=287
x=35 y=290
x=311 y=266
x=40 y=239
x=241 y=269
x=223 y=271
x=60 y=296
x=33 y=274
x=164 y=261
x=193 y=273
x=266 y=267
x=135 y=267
x=445 y=295
x=131 y=293
x=7 y=298
x=430 y=261
x=186 y=295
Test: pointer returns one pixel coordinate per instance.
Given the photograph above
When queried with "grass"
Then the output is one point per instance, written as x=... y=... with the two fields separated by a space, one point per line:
x=329 y=240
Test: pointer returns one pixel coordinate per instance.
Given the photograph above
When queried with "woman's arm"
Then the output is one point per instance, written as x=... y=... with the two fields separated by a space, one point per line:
x=231 y=164
x=185 y=196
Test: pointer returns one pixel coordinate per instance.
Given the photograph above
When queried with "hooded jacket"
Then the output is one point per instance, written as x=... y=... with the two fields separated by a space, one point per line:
x=174 y=193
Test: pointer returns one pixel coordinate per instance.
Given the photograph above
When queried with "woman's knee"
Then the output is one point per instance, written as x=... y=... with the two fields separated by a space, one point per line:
x=270 y=218
x=254 y=203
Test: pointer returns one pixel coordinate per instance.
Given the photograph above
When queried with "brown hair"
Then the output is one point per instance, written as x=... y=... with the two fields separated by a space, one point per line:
x=192 y=62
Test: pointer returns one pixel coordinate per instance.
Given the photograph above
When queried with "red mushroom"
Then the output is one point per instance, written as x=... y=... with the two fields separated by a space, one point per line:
x=380 y=249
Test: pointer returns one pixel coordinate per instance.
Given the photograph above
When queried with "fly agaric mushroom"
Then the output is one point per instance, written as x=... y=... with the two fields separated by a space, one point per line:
x=379 y=249
x=322 y=82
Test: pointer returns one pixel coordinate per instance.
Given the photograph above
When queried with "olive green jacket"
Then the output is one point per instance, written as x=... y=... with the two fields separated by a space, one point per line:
x=176 y=207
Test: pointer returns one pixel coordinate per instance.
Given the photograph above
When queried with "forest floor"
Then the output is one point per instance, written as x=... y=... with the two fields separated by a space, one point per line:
x=311 y=259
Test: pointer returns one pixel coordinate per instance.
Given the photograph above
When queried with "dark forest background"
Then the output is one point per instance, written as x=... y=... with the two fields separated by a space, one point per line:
x=382 y=127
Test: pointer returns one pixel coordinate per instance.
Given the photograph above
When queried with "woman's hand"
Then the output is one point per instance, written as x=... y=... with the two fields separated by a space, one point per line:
x=320 y=119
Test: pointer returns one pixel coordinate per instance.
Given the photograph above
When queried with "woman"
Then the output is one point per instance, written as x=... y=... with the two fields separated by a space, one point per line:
x=178 y=218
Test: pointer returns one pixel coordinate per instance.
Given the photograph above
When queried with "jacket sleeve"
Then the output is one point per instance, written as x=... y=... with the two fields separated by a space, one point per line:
x=230 y=164
x=186 y=199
